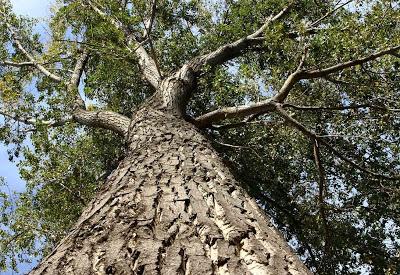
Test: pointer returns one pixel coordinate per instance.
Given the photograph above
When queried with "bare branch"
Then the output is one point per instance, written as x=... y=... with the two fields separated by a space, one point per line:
x=146 y=62
x=339 y=67
x=78 y=70
x=264 y=106
x=309 y=74
x=236 y=48
x=274 y=18
x=103 y=119
x=287 y=86
x=329 y=13
x=73 y=83
x=15 y=64
x=150 y=21
x=303 y=58
x=103 y=49
x=31 y=59
x=148 y=26
x=246 y=123
x=292 y=79
x=206 y=120
x=337 y=108
x=321 y=194
x=36 y=122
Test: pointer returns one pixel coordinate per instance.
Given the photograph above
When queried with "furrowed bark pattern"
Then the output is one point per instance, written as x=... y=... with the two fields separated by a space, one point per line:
x=171 y=207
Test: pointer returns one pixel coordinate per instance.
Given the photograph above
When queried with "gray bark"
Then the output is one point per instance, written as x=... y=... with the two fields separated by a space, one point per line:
x=171 y=207
x=103 y=119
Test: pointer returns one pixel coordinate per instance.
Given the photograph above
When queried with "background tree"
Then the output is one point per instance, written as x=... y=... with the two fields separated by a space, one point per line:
x=299 y=97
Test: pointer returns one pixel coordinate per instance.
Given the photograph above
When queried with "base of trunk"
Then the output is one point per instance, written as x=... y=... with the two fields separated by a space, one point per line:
x=171 y=207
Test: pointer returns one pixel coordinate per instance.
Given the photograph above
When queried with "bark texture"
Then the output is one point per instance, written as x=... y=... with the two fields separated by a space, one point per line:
x=171 y=207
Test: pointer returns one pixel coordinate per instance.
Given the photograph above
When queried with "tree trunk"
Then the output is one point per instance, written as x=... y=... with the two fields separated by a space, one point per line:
x=171 y=207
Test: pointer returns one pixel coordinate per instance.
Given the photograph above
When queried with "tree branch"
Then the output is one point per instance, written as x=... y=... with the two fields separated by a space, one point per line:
x=339 y=67
x=148 y=26
x=147 y=64
x=236 y=48
x=253 y=109
x=36 y=122
x=314 y=136
x=150 y=21
x=208 y=119
x=74 y=81
x=337 y=108
x=31 y=59
x=103 y=119
x=267 y=105
x=321 y=194
x=329 y=13
x=309 y=74
x=15 y=64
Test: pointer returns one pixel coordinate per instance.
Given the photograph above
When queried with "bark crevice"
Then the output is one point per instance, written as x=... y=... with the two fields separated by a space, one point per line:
x=171 y=207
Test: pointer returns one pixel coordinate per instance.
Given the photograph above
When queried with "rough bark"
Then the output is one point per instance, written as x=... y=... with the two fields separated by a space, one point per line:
x=171 y=207
x=103 y=119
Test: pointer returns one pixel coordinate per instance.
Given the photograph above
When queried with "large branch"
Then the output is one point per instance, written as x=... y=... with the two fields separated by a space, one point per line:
x=99 y=119
x=146 y=62
x=150 y=21
x=74 y=81
x=148 y=27
x=208 y=119
x=236 y=48
x=300 y=74
x=103 y=119
x=267 y=105
x=341 y=66
x=270 y=105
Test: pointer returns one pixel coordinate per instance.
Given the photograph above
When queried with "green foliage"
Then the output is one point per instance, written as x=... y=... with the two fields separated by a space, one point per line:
x=63 y=167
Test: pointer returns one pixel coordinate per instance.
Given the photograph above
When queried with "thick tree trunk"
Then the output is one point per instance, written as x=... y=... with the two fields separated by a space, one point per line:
x=171 y=207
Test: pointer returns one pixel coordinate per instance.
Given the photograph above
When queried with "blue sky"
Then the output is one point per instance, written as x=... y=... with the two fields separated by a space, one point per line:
x=32 y=8
x=8 y=170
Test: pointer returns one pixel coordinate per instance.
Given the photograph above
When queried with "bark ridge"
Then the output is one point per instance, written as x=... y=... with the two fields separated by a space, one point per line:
x=171 y=207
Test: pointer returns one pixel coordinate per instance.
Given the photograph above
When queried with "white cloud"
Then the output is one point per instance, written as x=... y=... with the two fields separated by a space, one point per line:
x=32 y=8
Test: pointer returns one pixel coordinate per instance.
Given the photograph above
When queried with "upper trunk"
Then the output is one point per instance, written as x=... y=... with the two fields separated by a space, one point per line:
x=171 y=207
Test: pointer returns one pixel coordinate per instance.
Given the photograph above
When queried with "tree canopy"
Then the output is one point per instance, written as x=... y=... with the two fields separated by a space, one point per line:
x=300 y=97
